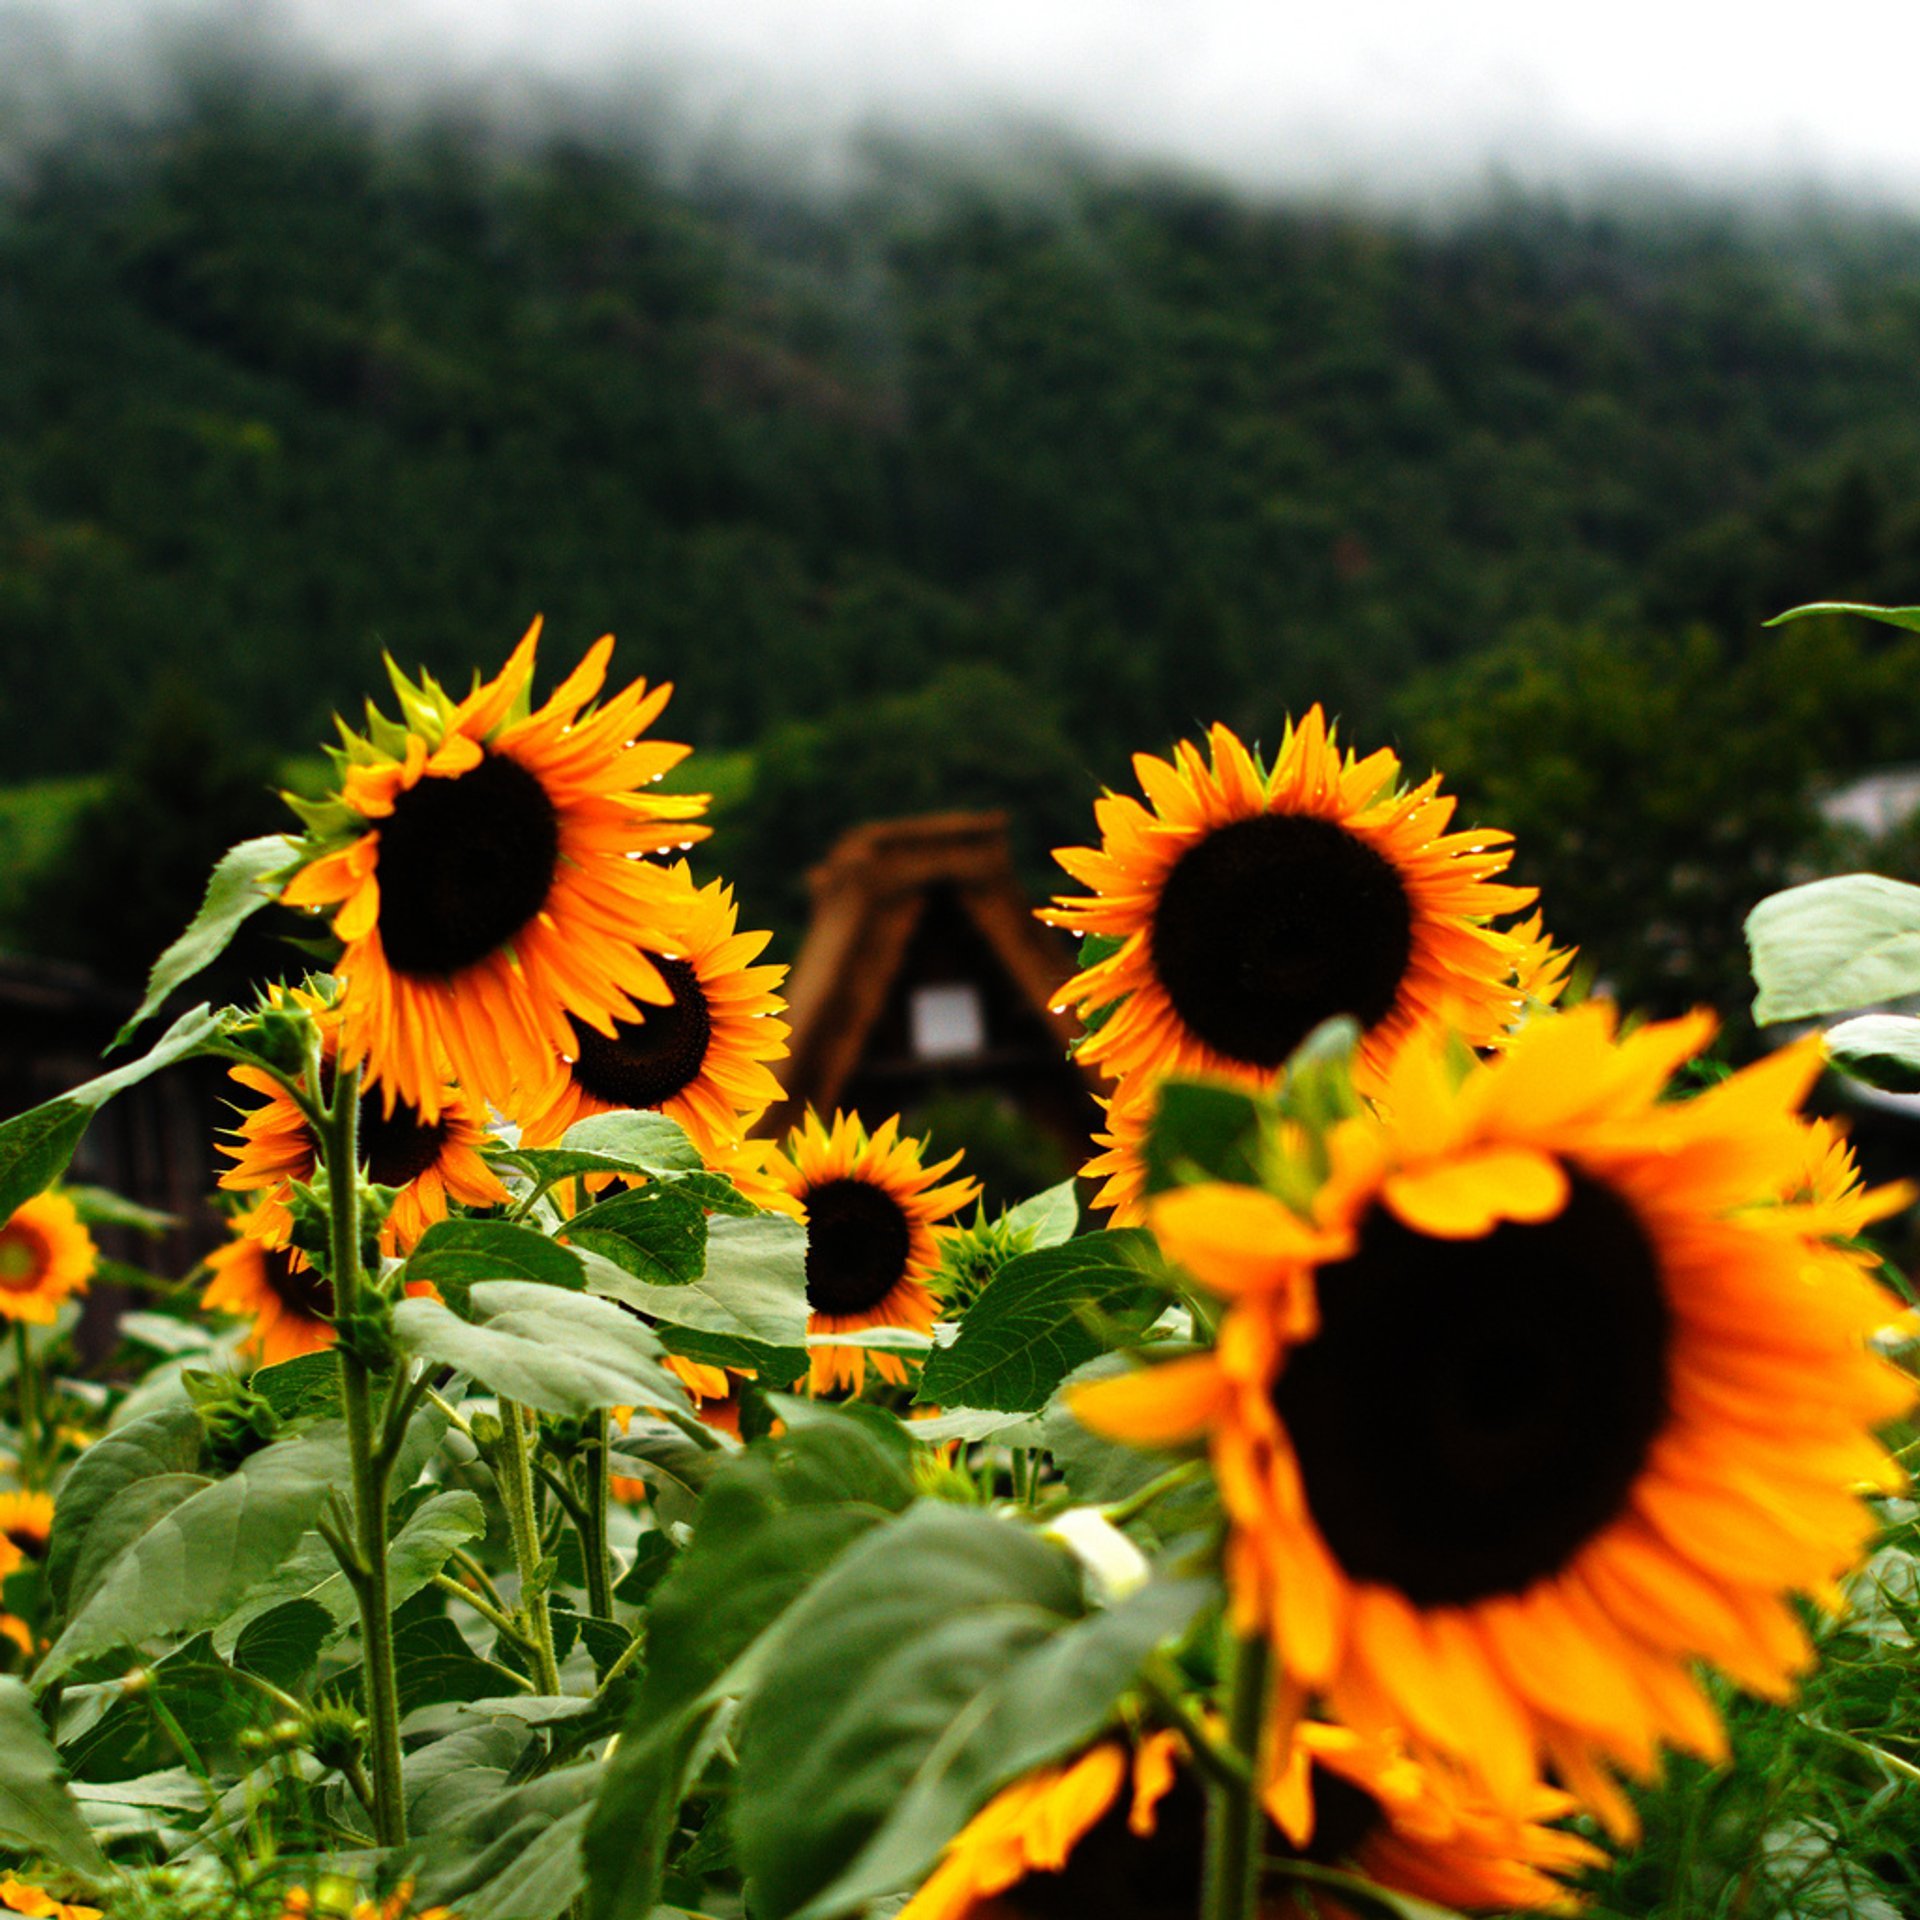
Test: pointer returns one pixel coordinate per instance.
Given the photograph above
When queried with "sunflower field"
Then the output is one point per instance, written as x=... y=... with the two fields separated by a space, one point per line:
x=1458 y=1464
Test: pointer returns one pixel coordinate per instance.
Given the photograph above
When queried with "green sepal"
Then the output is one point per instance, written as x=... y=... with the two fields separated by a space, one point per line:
x=367 y=1333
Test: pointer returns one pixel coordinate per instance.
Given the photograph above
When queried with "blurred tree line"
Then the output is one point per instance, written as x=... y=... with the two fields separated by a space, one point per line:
x=950 y=492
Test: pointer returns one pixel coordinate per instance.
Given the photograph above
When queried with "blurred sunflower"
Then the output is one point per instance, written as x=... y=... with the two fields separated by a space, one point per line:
x=483 y=866
x=1553 y=1395
x=1247 y=905
x=337 y=1901
x=45 y=1256
x=1119 y=1834
x=700 y=1059
x=276 y=1287
x=19 y=1896
x=428 y=1162
x=26 y=1524
x=871 y=1208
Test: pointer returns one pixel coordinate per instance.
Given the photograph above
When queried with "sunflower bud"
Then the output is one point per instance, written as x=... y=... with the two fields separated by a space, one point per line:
x=236 y=1420
x=335 y=1735
x=973 y=1254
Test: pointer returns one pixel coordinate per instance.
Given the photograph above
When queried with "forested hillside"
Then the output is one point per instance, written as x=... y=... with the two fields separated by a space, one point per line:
x=1049 y=473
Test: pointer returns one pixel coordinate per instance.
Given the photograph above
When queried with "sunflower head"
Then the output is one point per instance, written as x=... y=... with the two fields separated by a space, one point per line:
x=275 y=1287
x=426 y=1163
x=46 y=1255
x=1243 y=905
x=480 y=860
x=26 y=1522
x=1638 y=1385
x=21 y=1896
x=871 y=1206
x=700 y=1057
x=1119 y=1831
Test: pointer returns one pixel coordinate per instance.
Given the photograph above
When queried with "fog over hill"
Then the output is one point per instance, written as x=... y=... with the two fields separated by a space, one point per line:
x=1396 y=100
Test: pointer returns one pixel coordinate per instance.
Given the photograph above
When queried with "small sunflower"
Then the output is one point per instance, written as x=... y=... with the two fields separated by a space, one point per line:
x=428 y=1162
x=45 y=1255
x=483 y=864
x=276 y=1287
x=337 y=1902
x=715 y=1393
x=19 y=1896
x=26 y=1523
x=1553 y=1395
x=871 y=1208
x=701 y=1059
x=1121 y=1835
x=1251 y=904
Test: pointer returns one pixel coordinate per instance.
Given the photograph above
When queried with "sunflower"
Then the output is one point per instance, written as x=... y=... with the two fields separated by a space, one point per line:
x=18 y=1896
x=483 y=864
x=1121 y=1834
x=333 y=1901
x=45 y=1255
x=870 y=1205
x=1552 y=1395
x=289 y=1302
x=428 y=1162
x=701 y=1059
x=1837 y=1206
x=1246 y=905
x=715 y=1393
x=26 y=1523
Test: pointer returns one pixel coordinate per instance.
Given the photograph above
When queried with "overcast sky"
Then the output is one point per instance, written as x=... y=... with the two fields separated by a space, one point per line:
x=1400 y=96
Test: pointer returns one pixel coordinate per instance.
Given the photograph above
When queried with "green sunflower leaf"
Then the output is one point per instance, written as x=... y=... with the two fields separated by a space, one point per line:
x=282 y=1644
x=657 y=1234
x=1833 y=946
x=1043 y=1314
x=454 y=1254
x=1050 y=1217
x=565 y=1353
x=1907 y=617
x=36 y=1146
x=1883 y=1049
x=751 y=1293
x=37 y=1810
x=1203 y=1133
x=772 y=1520
x=937 y=1659
x=196 y=1562
x=925 y=1776
x=306 y=1387
x=637 y=1142
x=236 y=891
x=167 y=1441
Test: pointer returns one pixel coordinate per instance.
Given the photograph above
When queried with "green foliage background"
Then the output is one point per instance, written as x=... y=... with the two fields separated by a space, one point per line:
x=952 y=490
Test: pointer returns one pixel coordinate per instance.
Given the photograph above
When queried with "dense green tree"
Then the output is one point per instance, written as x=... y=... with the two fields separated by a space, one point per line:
x=1658 y=785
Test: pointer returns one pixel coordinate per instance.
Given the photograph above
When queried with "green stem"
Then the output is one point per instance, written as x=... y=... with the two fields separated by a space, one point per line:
x=1119 y=1512
x=372 y=1463
x=628 y=1655
x=502 y=1623
x=516 y=1495
x=599 y=1554
x=29 y=1379
x=1233 y=1811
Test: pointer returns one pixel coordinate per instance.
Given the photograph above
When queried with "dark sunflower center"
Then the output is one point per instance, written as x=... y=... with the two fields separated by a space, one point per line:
x=1473 y=1411
x=397 y=1148
x=465 y=863
x=1116 y=1874
x=305 y=1292
x=857 y=1244
x=1269 y=926
x=24 y=1258
x=645 y=1064
x=30 y=1540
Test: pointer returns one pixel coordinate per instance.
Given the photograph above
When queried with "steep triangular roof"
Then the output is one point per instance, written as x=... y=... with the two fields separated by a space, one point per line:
x=882 y=885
